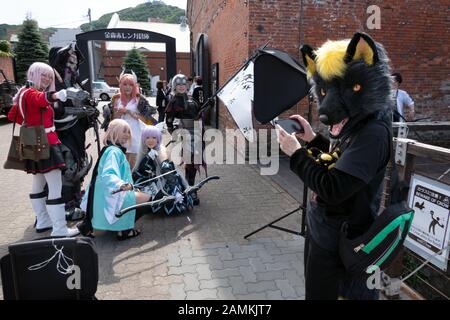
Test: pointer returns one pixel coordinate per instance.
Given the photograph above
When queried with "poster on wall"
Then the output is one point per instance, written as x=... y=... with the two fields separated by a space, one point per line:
x=430 y=230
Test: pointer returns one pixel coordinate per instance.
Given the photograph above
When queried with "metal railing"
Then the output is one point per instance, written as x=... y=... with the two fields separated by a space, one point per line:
x=433 y=162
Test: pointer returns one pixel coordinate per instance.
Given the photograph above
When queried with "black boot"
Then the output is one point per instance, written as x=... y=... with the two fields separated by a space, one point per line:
x=75 y=214
x=195 y=199
x=190 y=177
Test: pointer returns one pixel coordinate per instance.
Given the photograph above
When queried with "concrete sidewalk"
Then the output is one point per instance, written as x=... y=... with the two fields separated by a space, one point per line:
x=202 y=255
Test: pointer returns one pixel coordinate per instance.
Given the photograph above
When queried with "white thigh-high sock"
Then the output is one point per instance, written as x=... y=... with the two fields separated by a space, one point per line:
x=54 y=182
x=38 y=183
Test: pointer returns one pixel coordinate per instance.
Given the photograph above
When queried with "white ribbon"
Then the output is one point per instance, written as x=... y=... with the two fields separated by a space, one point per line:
x=63 y=266
x=51 y=129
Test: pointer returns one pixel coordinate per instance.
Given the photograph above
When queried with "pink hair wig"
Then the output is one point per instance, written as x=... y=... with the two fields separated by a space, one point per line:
x=128 y=79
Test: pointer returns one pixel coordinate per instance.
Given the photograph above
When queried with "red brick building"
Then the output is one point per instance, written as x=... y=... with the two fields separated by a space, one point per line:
x=7 y=65
x=111 y=55
x=112 y=62
x=415 y=34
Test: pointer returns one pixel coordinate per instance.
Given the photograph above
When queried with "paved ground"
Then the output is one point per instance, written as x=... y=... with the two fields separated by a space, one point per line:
x=203 y=257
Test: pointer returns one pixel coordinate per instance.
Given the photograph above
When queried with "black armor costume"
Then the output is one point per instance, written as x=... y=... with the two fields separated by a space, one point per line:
x=185 y=109
x=72 y=119
x=171 y=184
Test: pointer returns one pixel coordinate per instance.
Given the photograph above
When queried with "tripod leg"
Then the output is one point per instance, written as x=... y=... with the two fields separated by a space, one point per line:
x=275 y=227
x=305 y=197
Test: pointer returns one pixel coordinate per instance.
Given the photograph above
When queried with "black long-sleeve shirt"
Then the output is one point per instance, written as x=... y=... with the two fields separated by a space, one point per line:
x=351 y=190
x=332 y=186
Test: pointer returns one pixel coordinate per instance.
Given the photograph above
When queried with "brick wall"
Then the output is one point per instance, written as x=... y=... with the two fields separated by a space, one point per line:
x=415 y=34
x=6 y=64
x=226 y=24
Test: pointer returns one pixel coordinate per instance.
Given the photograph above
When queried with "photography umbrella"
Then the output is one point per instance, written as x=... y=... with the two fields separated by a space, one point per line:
x=279 y=83
x=268 y=83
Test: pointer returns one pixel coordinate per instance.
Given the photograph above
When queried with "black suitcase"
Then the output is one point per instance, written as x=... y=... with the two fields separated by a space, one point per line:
x=44 y=270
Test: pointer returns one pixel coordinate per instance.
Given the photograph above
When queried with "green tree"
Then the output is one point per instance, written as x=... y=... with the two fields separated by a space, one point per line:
x=155 y=9
x=135 y=61
x=5 y=49
x=30 y=48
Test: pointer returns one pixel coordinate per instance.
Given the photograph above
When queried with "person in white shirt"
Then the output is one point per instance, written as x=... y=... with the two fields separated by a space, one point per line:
x=404 y=103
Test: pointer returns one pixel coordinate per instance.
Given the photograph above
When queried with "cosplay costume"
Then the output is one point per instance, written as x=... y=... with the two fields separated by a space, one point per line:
x=72 y=120
x=351 y=80
x=36 y=108
x=33 y=109
x=139 y=105
x=185 y=109
x=171 y=184
x=111 y=171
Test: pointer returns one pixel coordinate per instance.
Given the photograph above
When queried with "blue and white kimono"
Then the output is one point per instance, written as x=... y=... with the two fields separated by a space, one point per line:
x=113 y=171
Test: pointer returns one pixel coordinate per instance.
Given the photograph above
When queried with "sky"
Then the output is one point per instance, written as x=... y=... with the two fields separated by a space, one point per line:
x=66 y=13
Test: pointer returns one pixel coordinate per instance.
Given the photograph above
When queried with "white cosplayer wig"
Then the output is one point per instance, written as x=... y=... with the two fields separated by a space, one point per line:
x=34 y=74
x=147 y=132
x=36 y=70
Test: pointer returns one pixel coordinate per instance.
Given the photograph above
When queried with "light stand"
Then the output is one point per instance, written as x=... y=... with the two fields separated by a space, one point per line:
x=301 y=207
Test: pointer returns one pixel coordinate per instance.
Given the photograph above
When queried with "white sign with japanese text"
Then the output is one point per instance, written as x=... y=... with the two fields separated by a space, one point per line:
x=430 y=229
x=237 y=95
x=127 y=35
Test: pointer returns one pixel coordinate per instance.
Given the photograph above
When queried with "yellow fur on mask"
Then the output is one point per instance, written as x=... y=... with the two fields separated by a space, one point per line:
x=330 y=59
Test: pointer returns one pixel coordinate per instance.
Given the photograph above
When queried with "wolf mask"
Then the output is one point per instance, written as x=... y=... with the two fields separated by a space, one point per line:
x=350 y=79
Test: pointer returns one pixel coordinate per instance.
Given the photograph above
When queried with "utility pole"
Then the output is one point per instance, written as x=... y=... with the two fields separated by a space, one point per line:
x=90 y=19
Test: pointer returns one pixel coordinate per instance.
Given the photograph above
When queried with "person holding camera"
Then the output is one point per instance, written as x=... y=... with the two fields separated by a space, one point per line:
x=351 y=82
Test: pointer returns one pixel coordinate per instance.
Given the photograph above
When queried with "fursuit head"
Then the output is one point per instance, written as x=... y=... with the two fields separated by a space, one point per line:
x=350 y=79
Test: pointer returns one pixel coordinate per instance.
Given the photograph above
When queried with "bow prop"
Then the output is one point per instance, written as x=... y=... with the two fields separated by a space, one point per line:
x=199 y=185
x=161 y=201
x=145 y=181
